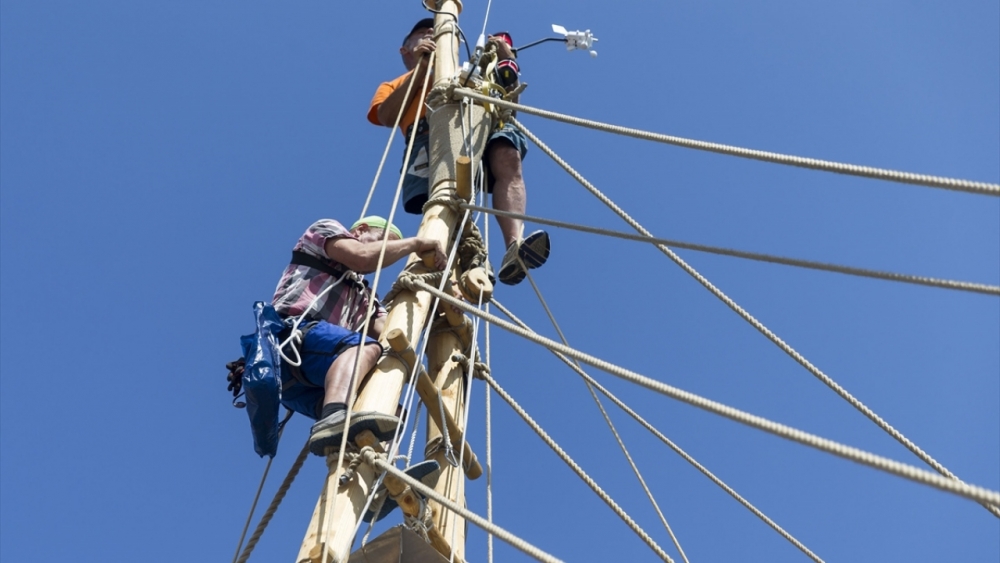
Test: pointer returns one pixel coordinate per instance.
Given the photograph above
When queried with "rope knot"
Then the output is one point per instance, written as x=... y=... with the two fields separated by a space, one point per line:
x=450 y=201
x=481 y=371
x=355 y=457
x=408 y=281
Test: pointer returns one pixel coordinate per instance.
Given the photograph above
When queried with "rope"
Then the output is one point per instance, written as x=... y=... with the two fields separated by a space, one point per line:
x=489 y=454
x=466 y=407
x=352 y=391
x=575 y=367
x=489 y=424
x=578 y=470
x=918 y=475
x=388 y=144
x=850 y=270
x=470 y=516
x=429 y=277
x=413 y=436
x=750 y=318
x=956 y=184
x=253 y=507
x=486 y=18
x=275 y=503
x=260 y=487
x=611 y=425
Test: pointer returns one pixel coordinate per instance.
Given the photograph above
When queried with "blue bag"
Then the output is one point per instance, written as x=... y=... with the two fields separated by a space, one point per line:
x=262 y=378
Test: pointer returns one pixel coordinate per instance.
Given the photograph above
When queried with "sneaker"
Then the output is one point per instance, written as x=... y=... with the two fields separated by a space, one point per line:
x=330 y=430
x=530 y=253
x=427 y=472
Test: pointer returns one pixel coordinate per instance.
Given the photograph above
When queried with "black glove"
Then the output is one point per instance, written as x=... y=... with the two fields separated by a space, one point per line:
x=235 y=377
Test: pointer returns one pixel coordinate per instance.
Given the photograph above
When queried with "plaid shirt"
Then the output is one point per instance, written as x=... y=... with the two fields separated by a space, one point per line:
x=345 y=304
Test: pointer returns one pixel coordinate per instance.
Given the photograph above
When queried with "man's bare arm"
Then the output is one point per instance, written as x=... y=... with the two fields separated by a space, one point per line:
x=362 y=257
x=389 y=108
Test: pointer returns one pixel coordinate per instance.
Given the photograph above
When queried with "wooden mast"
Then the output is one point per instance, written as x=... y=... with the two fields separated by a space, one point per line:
x=338 y=509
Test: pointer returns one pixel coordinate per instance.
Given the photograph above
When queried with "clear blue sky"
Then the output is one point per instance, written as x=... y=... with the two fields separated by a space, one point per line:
x=158 y=161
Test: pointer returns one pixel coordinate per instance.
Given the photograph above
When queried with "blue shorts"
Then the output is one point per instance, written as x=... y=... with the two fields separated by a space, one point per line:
x=323 y=344
x=416 y=182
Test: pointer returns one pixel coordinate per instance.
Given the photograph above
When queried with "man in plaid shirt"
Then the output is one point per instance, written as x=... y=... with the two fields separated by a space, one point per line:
x=323 y=290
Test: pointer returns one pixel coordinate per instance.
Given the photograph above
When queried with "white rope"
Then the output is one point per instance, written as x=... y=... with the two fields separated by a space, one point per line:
x=611 y=425
x=470 y=516
x=946 y=484
x=578 y=470
x=253 y=508
x=486 y=18
x=750 y=318
x=956 y=184
x=489 y=417
x=424 y=340
x=352 y=391
x=296 y=334
x=489 y=452
x=850 y=270
x=413 y=436
x=388 y=144
x=466 y=406
x=590 y=380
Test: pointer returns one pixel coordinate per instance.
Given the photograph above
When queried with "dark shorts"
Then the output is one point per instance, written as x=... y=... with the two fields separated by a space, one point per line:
x=415 y=184
x=323 y=344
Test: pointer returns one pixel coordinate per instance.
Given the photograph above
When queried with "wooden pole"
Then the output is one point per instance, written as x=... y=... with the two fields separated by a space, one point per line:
x=338 y=509
x=449 y=378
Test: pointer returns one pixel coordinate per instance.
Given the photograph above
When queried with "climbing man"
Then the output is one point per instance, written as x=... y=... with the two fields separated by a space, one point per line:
x=505 y=149
x=321 y=295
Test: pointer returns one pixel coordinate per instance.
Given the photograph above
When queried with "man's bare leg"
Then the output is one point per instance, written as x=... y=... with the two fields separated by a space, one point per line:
x=338 y=377
x=329 y=429
x=508 y=188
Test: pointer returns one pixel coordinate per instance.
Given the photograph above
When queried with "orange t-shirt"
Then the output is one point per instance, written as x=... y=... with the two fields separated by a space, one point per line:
x=414 y=112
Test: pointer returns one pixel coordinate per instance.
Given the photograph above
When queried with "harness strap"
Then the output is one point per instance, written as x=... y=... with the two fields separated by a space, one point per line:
x=300 y=258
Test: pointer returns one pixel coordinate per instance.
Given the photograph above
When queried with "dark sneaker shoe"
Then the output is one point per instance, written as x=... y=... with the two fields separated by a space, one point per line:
x=330 y=431
x=529 y=253
x=427 y=472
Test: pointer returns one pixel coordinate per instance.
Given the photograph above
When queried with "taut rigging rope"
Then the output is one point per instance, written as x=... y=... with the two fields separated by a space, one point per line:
x=794 y=354
x=984 y=188
x=687 y=457
x=910 y=472
x=825 y=266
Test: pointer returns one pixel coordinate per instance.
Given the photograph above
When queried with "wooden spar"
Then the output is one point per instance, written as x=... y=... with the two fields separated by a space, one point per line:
x=338 y=509
x=449 y=378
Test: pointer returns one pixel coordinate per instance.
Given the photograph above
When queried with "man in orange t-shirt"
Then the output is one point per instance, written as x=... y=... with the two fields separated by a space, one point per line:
x=505 y=149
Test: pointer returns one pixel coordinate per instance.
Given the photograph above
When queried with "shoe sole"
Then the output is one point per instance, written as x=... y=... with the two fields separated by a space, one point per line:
x=512 y=274
x=534 y=250
x=383 y=426
x=427 y=472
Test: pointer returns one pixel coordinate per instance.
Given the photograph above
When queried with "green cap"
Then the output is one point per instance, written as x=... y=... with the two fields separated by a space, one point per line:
x=376 y=222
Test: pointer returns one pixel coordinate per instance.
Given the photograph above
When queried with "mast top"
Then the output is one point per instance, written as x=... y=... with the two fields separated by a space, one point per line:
x=435 y=5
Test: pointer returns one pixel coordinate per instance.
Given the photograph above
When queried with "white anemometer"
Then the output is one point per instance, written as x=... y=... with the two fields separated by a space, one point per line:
x=577 y=39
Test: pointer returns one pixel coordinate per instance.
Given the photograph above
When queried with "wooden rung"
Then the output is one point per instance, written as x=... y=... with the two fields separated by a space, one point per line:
x=429 y=394
x=404 y=496
x=463 y=177
x=400 y=345
x=454 y=315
